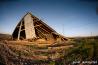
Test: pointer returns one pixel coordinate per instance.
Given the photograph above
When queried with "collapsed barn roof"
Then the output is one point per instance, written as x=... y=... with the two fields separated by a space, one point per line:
x=31 y=27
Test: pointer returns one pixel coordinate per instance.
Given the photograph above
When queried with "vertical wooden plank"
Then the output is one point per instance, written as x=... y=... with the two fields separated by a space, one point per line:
x=19 y=31
x=29 y=27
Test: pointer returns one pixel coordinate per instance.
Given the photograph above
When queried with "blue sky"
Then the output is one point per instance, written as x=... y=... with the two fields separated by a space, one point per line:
x=68 y=17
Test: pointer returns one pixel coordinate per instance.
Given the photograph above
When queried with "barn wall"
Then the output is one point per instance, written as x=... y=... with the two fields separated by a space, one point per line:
x=29 y=27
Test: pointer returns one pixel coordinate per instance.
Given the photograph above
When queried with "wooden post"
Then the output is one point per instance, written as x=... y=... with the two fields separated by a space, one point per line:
x=19 y=31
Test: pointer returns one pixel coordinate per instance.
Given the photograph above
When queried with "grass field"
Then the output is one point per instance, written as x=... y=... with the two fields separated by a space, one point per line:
x=86 y=50
x=74 y=52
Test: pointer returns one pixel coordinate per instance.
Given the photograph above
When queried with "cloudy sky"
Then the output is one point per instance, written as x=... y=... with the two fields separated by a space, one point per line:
x=68 y=17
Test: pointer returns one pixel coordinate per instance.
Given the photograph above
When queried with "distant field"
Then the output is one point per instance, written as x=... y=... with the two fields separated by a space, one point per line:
x=5 y=36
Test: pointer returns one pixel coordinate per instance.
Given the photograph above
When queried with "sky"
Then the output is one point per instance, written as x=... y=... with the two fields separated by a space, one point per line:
x=67 y=17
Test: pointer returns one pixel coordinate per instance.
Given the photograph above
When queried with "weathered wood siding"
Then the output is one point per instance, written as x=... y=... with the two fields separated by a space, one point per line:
x=29 y=27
